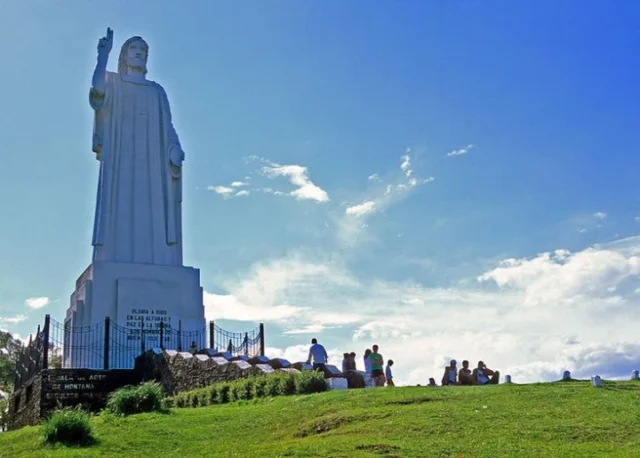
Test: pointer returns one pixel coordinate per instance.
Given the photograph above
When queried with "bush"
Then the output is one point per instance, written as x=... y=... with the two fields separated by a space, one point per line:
x=308 y=382
x=277 y=384
x=223 y=393
x=70 y=426
x=259 y=385
x=136 y=399
x=212 y=394
x=286 y=385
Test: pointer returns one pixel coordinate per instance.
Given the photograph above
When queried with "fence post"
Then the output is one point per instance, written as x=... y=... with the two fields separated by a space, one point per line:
x=45 y=348
x=162 y=335
x=142 y=337
x=107 y=335
x=39 y=354
x=211 y=338
x=246 y=343
x=179 y=335
x=261 y=339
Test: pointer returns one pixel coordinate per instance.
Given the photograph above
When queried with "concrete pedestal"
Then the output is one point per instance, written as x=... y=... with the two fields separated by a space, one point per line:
x=136 y=298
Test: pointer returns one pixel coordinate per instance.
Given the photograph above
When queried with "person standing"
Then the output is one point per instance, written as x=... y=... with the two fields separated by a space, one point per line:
x=367 y=361
x=318 y=354
x=388 y=374
x=377 y=363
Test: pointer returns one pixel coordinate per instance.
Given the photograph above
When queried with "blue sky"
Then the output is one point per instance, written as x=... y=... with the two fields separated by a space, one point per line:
x=327 y=100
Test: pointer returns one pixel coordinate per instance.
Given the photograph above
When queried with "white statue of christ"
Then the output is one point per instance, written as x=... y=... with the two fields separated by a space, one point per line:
x=138 y=206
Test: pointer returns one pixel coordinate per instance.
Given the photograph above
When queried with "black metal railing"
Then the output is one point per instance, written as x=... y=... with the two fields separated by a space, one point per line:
x=108 y=345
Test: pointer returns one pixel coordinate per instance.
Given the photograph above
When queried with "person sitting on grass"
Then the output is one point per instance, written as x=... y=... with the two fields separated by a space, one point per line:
x=387 y=373
x=377 y=361
x=432 y=382
x=465 y=376
x=450 y=374
x=482 y=373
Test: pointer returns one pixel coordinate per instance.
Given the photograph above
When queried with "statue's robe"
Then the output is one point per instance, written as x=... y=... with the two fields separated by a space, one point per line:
x=138 y=206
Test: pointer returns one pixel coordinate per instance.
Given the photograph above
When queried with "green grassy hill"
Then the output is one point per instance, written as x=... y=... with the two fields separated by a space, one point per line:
x=542 y=420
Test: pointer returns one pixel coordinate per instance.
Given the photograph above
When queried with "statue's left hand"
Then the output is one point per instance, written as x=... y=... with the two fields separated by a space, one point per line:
x=176 y=156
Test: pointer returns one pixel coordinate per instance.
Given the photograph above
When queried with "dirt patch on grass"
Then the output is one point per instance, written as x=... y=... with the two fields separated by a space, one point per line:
x=386 y=450
x=406 y=402
x=324 y=424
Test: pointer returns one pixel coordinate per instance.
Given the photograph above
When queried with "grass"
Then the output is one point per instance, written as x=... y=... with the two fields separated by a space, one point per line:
x=540 y=420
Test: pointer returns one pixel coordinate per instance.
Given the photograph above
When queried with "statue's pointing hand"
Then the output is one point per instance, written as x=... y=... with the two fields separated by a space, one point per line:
x=105 y=44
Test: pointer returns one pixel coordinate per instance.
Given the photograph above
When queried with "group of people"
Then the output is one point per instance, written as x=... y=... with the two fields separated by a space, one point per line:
x=374 y=371
x=481 y=375
x=376 y=374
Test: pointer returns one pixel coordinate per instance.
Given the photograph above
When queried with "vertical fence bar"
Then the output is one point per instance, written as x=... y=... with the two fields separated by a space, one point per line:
x=142 y=337
x=107 y=335
x=162 y=335
x=45 y=335
x=261 y=339
x=179 y=335
x=211 y=337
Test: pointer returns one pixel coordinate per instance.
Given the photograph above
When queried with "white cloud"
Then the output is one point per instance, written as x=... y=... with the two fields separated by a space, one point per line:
x=374 y=177
x=361 y=209
x=531 y=317
x=13 y=319
x=461 y=151
x=224 y=191
x=228 y=307
x=238 y=184
x=391 y=192
x=244 y=192
x=637 y=219
x=568 y=279
x=36 y=302
x=600 y=215
x=298 y=176
x=405 y=165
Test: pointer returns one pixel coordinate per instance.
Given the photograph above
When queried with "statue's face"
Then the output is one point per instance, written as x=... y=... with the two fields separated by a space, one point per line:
x=137 y=54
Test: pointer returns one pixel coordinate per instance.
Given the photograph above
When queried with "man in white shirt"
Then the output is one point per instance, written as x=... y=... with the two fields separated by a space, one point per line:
x=318 y=354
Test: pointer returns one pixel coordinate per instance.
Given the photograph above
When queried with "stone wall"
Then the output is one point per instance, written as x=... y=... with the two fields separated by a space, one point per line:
x=53 y=388
x=25 y=404
x=182 y=371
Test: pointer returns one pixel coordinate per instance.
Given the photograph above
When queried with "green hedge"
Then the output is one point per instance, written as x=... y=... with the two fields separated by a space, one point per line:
x=276 y=384
x=136 y=399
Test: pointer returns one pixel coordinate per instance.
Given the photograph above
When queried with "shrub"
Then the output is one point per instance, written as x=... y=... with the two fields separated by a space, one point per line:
x=259 y=385
x=69 y=426
x=180 y=400
x=223 y=393
x=212 y=394
x=136 y=399
x=287 y=385
x=271 y=386
x=308 y=382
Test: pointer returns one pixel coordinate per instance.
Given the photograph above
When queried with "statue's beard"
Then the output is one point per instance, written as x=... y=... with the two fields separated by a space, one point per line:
x=137 y=68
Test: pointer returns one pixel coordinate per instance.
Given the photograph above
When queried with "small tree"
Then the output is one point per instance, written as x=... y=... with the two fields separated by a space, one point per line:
x=9 y=350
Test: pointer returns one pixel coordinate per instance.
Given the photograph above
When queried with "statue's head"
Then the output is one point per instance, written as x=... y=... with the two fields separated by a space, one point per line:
x=133 y=54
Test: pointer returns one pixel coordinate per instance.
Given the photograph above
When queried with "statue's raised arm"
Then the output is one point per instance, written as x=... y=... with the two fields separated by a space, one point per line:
x=104 y=48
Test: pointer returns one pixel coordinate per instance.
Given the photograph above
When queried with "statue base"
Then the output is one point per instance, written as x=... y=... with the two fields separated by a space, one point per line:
x=138 y=299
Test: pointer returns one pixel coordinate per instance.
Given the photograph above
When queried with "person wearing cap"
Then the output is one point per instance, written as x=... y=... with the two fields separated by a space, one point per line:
x=450 y=374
